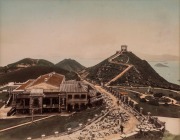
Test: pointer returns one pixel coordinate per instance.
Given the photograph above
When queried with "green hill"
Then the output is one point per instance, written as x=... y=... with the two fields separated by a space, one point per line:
x=70 y=65
x=24 y=63
x=141 y=74
x=33 y=72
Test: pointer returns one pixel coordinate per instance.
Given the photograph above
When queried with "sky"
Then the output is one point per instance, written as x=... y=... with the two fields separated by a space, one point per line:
x=87 y=30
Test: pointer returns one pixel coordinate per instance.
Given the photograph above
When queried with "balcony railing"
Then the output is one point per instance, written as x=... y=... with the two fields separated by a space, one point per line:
x=51 y=106
x=18 y=106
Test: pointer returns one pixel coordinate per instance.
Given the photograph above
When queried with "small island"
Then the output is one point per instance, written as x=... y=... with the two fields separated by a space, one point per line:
x=160 y=65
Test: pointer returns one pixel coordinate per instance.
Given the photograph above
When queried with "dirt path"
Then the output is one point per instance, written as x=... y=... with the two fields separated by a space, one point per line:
x=131 y=124
x=120 y=75
x=118 y=63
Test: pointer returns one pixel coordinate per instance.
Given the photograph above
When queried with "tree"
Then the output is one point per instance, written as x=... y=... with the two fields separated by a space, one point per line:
x=171 y=95
x=159 y=95
x=143 y=100
x=154 y=102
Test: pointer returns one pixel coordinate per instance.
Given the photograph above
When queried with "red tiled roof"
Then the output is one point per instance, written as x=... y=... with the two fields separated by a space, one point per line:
x=123 y=93
x=50 y=78
x=53 y=79
x=56 y=79
x=23 y=86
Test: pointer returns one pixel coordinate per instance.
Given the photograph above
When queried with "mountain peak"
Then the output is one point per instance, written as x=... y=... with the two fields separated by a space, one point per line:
x=24 y=63
x=124 y=68
x=70 y=65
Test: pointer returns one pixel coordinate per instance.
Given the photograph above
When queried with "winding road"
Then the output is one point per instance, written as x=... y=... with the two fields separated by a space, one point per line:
x=129 y=66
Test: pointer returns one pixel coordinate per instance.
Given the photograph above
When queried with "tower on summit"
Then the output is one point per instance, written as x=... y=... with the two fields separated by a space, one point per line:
x=123 y=48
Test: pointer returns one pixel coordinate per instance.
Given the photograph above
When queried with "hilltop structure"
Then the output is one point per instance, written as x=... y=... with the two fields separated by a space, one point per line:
x=124 y=68
x=51 y=93
x=123 y=48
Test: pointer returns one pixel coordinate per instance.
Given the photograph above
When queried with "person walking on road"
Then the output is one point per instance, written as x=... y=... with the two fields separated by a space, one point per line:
x=122 y=128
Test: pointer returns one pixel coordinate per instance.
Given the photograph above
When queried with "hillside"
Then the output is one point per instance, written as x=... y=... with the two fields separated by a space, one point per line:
x=70 y=65
x=140 y=72
x=23 y=75
x=104 y=71
x=24 y=63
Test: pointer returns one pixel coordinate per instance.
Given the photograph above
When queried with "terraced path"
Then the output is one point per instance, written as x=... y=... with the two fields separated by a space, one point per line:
x=129 y=66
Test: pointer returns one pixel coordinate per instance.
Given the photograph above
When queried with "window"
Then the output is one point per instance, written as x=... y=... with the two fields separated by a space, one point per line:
x=83 y=96
x=69 y=96
x=36 y=102
x=76 y=96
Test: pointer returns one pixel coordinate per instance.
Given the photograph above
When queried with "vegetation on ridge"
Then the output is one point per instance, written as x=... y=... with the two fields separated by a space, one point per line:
x=32 y=73
x=70 y=65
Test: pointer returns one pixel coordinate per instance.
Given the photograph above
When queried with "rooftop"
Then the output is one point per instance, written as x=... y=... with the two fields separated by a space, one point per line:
x=52 y=78
x=23 y=86
x=73 y=86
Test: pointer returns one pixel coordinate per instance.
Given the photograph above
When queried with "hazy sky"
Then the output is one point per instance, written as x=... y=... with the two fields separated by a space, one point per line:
x=86 y=30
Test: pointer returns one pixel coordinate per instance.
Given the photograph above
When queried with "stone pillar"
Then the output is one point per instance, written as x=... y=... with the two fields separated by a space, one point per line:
x=31 y=103
x=134 y=105
x=59 y=104
x=141 y=110
x=79 y=105
x=51 y=102
x=40 y=103
x=62 y=101
x=73 y=107
x=128 y=101
x=13 y=96
x=23 y=103
x=149 y=115
x=124 y=98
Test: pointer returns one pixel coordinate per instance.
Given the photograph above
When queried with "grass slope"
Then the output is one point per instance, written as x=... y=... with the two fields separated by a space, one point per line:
x=50 y=125
x=142 y=74
x=70 y=65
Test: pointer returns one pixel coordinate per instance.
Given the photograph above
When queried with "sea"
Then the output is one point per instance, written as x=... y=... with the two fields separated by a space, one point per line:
x=170 y=73
x=172 y=124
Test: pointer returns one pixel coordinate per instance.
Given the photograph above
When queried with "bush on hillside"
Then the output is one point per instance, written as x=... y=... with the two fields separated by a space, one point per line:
x=159 y=95
x=154 y=102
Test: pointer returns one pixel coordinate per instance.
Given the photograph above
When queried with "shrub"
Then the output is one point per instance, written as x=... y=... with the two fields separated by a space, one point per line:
x=171 y=95
x=166 y=104
x=143 y=100
x=154 y=102
x=177 y=98
x=159 y=95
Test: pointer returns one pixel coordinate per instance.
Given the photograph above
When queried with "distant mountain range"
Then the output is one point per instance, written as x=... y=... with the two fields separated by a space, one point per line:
x=24 y=63
x=70 y=65
x=140 y=73
x=33 y=72
x=67 y=64
x=29 y=68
